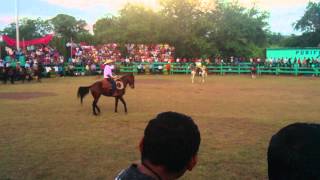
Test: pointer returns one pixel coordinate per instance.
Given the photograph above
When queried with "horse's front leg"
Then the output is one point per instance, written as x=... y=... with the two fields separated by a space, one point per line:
x=192 y=77
x=124 y=104
x=116 y=104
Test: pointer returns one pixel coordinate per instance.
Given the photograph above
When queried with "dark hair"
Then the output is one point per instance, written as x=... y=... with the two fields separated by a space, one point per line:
x=171 y=140
x=294 y=153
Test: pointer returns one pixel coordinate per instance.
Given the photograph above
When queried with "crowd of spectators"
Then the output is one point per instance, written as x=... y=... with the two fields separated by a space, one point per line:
x=30 y=59
x=93 y=57
x=90 y=59
x=272 y=62
x=291 y=62
x=149 y=53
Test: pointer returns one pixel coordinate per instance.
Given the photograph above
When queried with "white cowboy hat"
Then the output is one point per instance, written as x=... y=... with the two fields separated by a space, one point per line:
x=108 y=61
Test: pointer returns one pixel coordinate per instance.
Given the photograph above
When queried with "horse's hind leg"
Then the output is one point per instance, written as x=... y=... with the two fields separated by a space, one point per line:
x=124 y=104
x=94 y=107
x=98 y=108
x=94 y=104
x=116 y=104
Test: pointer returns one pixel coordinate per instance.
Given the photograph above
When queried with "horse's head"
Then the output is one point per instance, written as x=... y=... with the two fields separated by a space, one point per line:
x=130 y=79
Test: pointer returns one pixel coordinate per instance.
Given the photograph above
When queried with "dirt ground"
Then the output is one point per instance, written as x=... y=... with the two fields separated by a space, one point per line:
x=24 y=95
x=55 y=137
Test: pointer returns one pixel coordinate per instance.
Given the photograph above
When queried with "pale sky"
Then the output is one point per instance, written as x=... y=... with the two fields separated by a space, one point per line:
x=283 y=13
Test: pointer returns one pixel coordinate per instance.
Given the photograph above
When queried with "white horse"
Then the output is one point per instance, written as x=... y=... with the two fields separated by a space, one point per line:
x=203 y=72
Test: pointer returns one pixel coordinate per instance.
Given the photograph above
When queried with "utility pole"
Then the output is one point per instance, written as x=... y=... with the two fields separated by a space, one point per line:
x=17 y=25
x=71 y=48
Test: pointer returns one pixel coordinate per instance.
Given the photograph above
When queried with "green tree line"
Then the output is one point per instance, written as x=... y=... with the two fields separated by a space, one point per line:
x=194 y=27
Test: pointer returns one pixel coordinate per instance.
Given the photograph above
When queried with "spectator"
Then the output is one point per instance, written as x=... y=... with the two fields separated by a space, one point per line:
x=168 y=67
x=294 y=153
x=1 y=63
x=168 y=149
x=160 y=68
x=253 y=70
x=140 y=68
x=93 y=68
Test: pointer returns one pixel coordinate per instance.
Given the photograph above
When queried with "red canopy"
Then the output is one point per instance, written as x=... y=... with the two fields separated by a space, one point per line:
x=12 y=42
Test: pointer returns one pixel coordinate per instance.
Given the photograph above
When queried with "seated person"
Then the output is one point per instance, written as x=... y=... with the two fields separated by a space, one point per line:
x=294 y=153
x=168 y=149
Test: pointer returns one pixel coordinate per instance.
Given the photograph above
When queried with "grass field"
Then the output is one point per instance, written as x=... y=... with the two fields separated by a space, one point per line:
x=54 y=137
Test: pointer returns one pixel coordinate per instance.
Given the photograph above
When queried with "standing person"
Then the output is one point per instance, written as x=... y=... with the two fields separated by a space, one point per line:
x=253 y=70
x=168 y=149
x=1 y=68
x=168 y=67
x=108 y=76
x=39 y=71
x=11 y=70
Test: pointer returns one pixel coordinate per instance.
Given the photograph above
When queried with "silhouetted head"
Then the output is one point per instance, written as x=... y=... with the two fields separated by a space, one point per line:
x=171 y=140
x=294 y=153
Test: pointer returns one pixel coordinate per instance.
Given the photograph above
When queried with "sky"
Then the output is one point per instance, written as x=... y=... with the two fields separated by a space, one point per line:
x=283 y=13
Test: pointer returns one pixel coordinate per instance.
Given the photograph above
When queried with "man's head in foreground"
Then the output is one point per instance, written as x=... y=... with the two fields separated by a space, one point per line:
x=171 y=143
x=168 y=149
x=294 y=153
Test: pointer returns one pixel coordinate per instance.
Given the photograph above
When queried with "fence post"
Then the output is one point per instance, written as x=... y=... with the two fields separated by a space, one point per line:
x=135 y=69
x=315 y=71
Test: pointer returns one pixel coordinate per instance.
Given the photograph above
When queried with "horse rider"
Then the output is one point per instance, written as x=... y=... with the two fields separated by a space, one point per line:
x=108 y=76
x=198 y=67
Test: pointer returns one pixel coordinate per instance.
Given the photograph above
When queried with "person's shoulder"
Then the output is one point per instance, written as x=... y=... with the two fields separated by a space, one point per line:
x=132 y=173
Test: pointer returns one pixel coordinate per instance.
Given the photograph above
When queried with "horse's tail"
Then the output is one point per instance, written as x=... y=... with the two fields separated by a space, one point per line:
x=82 y=92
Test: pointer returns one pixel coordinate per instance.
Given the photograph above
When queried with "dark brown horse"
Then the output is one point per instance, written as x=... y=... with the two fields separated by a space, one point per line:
x=97 y=90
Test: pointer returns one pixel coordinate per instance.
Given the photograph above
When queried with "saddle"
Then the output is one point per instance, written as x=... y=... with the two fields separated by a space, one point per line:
x=107 y=86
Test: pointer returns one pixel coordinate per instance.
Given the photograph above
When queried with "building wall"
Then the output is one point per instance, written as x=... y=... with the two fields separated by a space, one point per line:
x=299 y=53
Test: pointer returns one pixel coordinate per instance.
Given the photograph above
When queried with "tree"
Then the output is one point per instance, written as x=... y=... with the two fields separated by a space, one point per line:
x=238 y=31
x=185 y=27
x=275 y=39
x=227 y=29
x=29 y=28
x=68 y=27
x=309 y=24
x=106 y=30
x=138 y=24
x=310 y=21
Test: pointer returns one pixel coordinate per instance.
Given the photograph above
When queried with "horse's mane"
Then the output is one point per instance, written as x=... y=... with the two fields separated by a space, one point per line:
x=126 y=75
